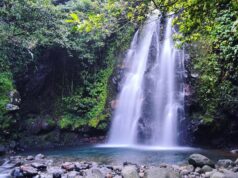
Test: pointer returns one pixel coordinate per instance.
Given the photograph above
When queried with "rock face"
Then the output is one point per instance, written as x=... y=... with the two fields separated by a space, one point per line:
x=2 y=149
x=130 y=172
x=198 y=160
x=161 y=173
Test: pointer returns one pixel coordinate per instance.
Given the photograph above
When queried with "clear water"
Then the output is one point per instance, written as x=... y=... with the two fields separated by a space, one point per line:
x=139 y=154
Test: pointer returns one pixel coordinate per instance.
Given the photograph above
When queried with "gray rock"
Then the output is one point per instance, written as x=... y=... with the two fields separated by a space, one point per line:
x=12 y=107
x=39 y=156
x=236 y=162
x=161 y=173
x=206 y=168
x=69 y=166
x=82 y=166
x=57 y=172
x=229 y=174
x=94 y=173
x=39 y=166
x=235 y=169
x=198 y=160
x=130 y=172
x=14 y=97
x=72 y=174
x=199 y=170
x=17 y=173
x=28 y=170
x=234 y=151
x=218 y=175
x=224 y=163
x=30 y=158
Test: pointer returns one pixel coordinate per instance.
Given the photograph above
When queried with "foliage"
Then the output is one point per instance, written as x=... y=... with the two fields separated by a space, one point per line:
x=216 y=63
x=109 y=16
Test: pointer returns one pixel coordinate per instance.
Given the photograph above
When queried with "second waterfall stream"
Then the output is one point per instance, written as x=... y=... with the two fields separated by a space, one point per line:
x=151 y=101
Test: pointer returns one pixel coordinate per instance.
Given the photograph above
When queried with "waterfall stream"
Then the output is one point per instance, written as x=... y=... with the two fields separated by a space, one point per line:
x=150 y=102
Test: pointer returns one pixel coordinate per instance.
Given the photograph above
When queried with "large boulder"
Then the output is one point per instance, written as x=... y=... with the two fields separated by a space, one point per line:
x=198 y=160
x=130 y=172
x=157 y=172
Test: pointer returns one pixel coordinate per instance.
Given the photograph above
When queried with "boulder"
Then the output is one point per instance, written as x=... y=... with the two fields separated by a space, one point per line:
x=30 y=158
x=39 y=166
x=28 y=171
x=82 y=166
x=68 y=166
x=236 y=162
x=206 y=168
x=234 y=151
x=130 y=172
x=39 y=156
x=198 y=160
x=223 y=173
x=225 y=163
x=94 y=173
x=72 y=174
x=161 y=173
x=17 y=173
x=12 y=107
x=56 y=172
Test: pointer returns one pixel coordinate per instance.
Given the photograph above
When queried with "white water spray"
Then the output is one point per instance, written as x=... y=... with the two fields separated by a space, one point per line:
x=164 y=66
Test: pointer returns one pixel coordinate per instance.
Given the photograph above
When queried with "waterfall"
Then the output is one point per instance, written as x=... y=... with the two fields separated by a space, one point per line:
x=150 y=102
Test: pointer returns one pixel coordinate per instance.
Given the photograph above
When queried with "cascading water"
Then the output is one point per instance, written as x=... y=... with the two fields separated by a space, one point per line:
x=151 y=99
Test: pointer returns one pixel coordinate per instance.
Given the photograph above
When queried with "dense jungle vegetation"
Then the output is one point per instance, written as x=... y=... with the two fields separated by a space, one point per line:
x=57 y=59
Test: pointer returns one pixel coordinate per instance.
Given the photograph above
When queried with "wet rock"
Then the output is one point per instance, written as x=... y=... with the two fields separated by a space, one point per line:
x=82 y=166
x=39 y=166
x=224 y=163
x=236 y=162
x=130 y=172
x=234 y=151
x=30 y=158
x=235 y=169
x=198 y=160
x=16 y=173
x=188 y=168
x=105 y=170
x=72 y=174
x=94 y=173
x=28 y=170
x=228 y=173
x=56 y=172
x=141 y=174
x=109 y=175
x=206 y=168
x=198 y=170
x=161 y=173
x=12 y=107
x=39 y=156
x=68 y=166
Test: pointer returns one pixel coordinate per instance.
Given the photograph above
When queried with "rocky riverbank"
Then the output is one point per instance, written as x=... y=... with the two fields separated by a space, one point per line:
x=40 y=166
